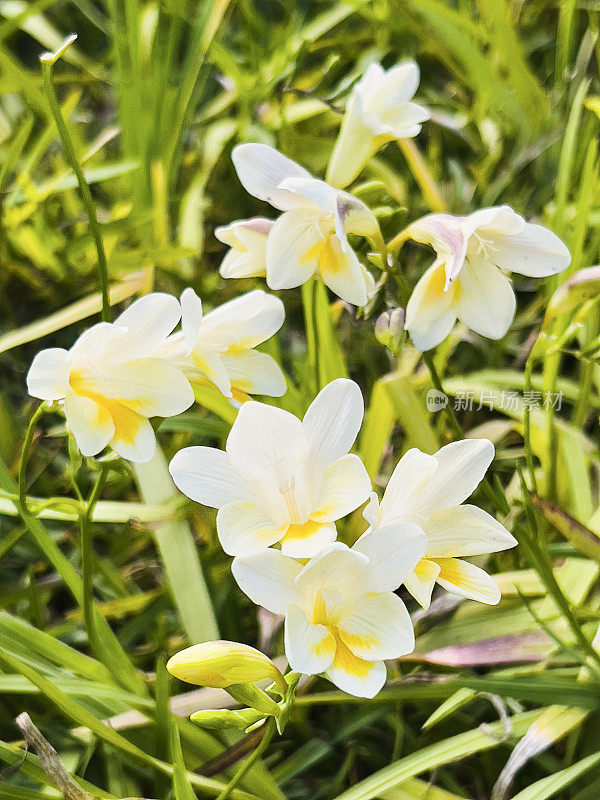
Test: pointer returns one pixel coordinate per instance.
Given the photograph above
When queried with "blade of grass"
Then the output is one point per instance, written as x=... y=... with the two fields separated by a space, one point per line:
x=178 y=554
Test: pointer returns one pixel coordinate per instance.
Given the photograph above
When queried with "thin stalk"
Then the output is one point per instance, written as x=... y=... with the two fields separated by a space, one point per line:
x=87 y=557
x=25 y=455
x=427 y=183
x=543 y=566
x=494 y=497
x=308 y=307
x=399 y=239
x=47 y=61
x=527 y=427
x=249 y=763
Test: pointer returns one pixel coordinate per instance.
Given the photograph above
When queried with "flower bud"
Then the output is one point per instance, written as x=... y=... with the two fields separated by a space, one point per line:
x=582 y=286
x=224 y=718
x=389 y=329
x=221 y=664
x=378 y=111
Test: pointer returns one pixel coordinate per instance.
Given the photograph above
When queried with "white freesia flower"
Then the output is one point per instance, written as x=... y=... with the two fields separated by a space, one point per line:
x=280 y=479
x=311 y=235
x=342 y=617
x=247 y=240
x=430 y=491
x=378 y=111
x=218 y=347
x=110 y=381
x=466 y=281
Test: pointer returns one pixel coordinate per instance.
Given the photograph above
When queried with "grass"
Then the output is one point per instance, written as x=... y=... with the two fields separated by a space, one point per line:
x=153 y=97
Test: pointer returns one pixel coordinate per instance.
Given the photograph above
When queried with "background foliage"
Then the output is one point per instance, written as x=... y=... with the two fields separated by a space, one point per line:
x=156 y=95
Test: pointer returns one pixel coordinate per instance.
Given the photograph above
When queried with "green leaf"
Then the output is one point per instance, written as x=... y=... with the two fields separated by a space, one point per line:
x=178 y=554
x=436 y=755
x=547 y=787
x=583 y=539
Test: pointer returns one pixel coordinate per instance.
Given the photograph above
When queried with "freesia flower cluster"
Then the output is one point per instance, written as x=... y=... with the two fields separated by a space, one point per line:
x=119 y=374
x=283 y=485
x=280 y=487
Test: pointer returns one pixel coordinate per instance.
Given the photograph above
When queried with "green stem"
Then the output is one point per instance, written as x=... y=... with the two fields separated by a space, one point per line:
x=47 y=62
x=397 y=242
x=527 y=427
x=25 y=454
x=251 y=760
x=308 y=306
x=544 y=568
x=87 y=557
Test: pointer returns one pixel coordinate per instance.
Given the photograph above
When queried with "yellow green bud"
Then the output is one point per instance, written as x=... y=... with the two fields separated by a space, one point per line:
x=221 y=664
x=389 y=329
x=223 y=718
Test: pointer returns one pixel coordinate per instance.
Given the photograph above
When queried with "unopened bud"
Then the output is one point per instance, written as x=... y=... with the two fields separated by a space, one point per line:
x=389 y=329
x=223 y=718
x=584 y=285
x=221 y=664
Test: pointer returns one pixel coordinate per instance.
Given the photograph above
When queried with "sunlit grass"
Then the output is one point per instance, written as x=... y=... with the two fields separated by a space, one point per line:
x=155 y=96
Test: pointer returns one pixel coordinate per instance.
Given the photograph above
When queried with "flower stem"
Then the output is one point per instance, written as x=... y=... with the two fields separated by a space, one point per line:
x=494 y=497
x=251 y=760
x=47 y=62
x=25 y=454
x=87 y=556
x=527 y=427
x=427 y=183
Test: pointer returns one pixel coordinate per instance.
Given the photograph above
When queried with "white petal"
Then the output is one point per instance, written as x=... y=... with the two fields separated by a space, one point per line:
x=148 y=321
x=343 y=273
x=393 y=552
x=371 y=511
x=134 y=437
x=103 y=340
x=191 y=316
x=353 y=216
x=314 y=191
x=336 y=566
x=465 y=531
x=48 y=376
x=486 y=302
x=355 y=676
x=261 y=169
x=305 y=541
x=399 y=83
x=309 y=648
x=293 y=249
x=267 y=441
x=465 y=579
x=248 y=241
x=404 y=120
x=245 y=529
x=378 y=627
x=461 y=468
x=242 y=323
x=345 y=485
x=445 y=234
x=430 y=313
x=149 y=386
x=333 y=419
x=410 y=477
x=268 y=578
x=421 y=581
x=206 y=475
x=255 y=373
x=90 y=423
x=244 y=231
x=495 y=223
x=203 y=363
x=535 y=251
